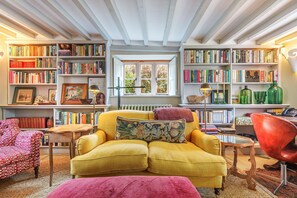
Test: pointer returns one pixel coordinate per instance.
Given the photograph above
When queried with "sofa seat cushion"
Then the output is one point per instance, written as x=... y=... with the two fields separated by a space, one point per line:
x=12 y=154
x=184 y=159
x=112 y=157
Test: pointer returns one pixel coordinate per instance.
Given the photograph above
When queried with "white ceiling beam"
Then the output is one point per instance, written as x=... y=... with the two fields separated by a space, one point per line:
x=143 y=21
x=115 y=13
x=16 y=27
x=234 y=7
x=244 y=25
x=286 y=39
x=170 y=15
x=31 y=10
x=23 y=20
x=65 y=15
x=288 y=10
x=279 y=32
x=195 y=20
x=86 y=10
x=7 y=32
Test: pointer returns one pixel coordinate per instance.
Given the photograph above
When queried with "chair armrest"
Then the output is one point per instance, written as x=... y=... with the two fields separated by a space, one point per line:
x=28 y=140
x=209 y=143
x=87 y=143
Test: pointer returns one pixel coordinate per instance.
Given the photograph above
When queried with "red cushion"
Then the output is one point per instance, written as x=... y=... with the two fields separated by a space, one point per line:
x=127 y=187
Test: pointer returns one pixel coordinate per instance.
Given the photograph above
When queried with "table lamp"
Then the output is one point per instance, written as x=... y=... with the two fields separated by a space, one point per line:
x=205 y=90
x=95 y=90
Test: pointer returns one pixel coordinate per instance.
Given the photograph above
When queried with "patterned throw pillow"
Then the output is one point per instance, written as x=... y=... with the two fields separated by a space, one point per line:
x=149 y=130
x=9 y=129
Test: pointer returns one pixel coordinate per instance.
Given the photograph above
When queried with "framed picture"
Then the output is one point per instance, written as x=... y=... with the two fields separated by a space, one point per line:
x=52 y=95
x=217 y=97
x=24 y=95
x=100 y=82
x=72 y=93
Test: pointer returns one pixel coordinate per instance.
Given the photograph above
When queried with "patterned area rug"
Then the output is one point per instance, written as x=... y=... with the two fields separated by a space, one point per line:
x=264 y=178
x=25 y=185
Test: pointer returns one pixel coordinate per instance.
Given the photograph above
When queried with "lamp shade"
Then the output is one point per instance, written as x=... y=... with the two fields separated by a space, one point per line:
x=94 y=88
x=292 y=59
x=205 y=87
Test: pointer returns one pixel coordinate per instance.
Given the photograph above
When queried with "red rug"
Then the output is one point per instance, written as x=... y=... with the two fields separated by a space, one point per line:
x=284 y=192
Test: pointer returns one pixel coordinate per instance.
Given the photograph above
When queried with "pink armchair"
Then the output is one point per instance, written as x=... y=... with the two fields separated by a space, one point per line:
x=19 y=150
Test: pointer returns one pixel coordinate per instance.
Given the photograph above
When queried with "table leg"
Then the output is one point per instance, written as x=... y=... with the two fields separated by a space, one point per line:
x=252 y=171
x=51 y=163
x=224 y=177
x=70 y=150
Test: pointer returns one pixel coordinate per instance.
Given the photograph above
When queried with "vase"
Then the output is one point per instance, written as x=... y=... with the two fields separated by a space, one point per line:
x=275 y=94
x=50 y=123
x=260 y=97
x=245 y=96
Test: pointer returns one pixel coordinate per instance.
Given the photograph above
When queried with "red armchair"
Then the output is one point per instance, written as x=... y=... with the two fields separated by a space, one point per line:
x=19 y=150
x=276 y=138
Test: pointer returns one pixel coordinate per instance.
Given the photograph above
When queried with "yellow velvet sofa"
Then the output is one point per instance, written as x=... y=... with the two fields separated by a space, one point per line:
x=99 y=154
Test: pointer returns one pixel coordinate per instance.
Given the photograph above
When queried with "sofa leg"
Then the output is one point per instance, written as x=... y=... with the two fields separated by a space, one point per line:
x=36 y=168
x=73 y=176
x=217 y=191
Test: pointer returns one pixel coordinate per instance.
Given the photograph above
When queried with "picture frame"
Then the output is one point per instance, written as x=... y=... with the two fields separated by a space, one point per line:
x=217 y=97
x=99 y=81
x=24 y=95
x=52 y=95
x=73 y=92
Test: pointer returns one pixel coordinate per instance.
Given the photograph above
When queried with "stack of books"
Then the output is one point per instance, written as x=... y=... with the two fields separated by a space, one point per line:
x=210 y=129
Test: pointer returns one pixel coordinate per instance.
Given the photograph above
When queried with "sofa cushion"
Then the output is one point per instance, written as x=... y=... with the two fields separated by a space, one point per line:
x=184 y=159
x=11 y=154
x=9 y=129
x=150 y=130
x=112 y=157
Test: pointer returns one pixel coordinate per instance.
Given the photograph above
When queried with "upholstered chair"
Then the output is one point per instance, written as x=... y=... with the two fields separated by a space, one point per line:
x=276 y=137
x=19 y=150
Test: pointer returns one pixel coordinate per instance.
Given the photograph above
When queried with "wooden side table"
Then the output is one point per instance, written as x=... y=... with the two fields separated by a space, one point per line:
x=65 y=133
x=236 y=141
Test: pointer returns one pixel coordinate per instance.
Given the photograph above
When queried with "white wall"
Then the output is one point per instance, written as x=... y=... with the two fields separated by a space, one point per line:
x=289 y=78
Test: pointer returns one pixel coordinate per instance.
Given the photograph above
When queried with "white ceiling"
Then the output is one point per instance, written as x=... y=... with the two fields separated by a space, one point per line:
x=151 y=22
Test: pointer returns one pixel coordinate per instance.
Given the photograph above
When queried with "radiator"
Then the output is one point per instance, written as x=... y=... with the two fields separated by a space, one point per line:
x=144 y=107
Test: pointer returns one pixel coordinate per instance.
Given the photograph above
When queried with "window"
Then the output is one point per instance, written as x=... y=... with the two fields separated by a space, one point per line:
x=153 y=76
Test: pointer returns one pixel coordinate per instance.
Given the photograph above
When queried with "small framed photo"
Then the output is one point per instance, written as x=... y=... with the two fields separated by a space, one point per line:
x=100 y=82
x=218 y=97
x=73 y=92
x=24 y=95
x=52 y=95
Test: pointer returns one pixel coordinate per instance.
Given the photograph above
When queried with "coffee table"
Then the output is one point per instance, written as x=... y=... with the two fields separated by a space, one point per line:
x=236 y=141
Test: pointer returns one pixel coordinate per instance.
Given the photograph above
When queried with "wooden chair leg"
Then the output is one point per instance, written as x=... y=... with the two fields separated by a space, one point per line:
x=217 y=191
x=36 y=168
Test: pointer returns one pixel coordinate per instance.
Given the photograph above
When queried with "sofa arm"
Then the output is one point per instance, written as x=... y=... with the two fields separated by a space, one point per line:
x=87 y=143
x=29 y=140
x=209 y=143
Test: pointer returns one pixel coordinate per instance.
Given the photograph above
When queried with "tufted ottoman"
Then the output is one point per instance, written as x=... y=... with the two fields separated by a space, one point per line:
x=127 y=187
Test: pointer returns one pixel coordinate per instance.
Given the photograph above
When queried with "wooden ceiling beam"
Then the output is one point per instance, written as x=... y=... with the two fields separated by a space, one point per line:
x=288 y=10
x=286 y=39
x=170 y=15
x=114 y=12
x=195 y=20
x=228 y=14
x=277 y=33
x=86 y=10
x=23 y=20
x=244 y=25
x=143 y=20
x=7 y=32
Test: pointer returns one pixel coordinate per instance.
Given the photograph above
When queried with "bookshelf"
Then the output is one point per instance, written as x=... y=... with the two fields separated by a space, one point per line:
x=228 y=70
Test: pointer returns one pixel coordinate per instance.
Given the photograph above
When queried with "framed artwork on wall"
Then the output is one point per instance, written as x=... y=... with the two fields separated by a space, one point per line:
x=52 y=95
x=73 y=92
x=218 y=97
x=24 y=95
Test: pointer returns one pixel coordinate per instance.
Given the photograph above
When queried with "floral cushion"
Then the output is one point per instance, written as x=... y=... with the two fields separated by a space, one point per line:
x=9 y=129
x=150 y=130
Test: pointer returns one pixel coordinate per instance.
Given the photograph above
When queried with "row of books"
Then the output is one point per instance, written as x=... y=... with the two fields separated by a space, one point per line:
x=207 y=56
x=32 y=50
x=36 y=63
x=32 y=122
x=32 y=77
x=253 y=76
x=97 y=67
x=255 y=56
x=82 y=49
x=203 y=76
x=215 y=116
x=65 y=117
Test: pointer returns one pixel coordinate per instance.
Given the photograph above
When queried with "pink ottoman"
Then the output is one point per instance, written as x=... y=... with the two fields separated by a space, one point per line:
x=127 y=187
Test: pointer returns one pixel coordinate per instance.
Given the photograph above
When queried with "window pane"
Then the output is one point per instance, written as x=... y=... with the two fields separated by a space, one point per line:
x=129 y=83
x=130 y=71
x=162 y=86
x=162 y=71
x=146 y=71
x=148 y=86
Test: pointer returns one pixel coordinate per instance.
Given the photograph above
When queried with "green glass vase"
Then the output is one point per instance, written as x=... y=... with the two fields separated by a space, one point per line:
x=245 y=96
x=275 y=94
